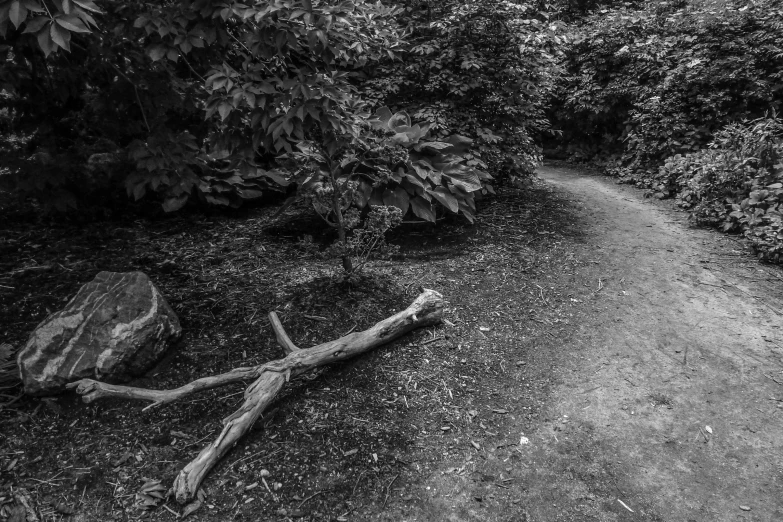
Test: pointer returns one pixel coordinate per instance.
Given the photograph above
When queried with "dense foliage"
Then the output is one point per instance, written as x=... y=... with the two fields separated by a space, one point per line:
x=661 y=95
x=735 y=184
x=645 y=83
x=225 y=101
x=390 y=164
x=200 y=95
x=484 y=70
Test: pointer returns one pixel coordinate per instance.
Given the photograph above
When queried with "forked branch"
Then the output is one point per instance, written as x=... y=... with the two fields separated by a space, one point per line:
x=283 y=340
x=270 y=378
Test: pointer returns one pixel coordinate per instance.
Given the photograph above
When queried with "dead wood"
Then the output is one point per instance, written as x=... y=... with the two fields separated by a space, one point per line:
x=270 y=378
x=283 y=340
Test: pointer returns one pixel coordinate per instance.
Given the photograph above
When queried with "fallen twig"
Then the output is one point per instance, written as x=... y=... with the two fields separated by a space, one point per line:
x=388 y=489
x=625 y=505
x=302 y=503
x=316 y=318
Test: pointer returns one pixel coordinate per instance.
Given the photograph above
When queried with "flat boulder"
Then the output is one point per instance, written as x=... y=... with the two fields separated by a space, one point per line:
x=116 y=328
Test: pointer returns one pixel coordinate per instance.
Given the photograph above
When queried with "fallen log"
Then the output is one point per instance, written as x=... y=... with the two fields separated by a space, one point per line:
x=270 y=378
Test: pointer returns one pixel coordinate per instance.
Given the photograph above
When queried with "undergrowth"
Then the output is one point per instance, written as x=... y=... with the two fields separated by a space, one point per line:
x=736 y=184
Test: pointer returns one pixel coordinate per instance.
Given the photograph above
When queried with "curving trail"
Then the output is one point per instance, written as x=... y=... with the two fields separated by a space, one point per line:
x=680 y=373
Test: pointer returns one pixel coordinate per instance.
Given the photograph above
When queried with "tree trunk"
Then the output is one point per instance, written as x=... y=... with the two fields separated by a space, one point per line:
x=342 y=234
x=270 y=378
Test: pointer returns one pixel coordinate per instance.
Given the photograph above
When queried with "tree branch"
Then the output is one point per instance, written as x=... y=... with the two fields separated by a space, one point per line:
x=91 y=390
x=135 y=90
x=270 y=378
x=283 y=340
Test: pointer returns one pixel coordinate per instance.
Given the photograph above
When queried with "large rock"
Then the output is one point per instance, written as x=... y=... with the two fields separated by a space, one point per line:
x=116 y=328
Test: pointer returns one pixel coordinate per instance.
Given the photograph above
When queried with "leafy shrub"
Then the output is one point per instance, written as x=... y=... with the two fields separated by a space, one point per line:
x=395 y=163
x=391 y=162
x=644 y=84
x=735 y=184
x=481 y=69
x=201 y=95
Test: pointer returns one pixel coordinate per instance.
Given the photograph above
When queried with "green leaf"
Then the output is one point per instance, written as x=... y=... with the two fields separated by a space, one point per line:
x=72 y=23
x=87 y=4
x=362 y=194
x=464 y=177
x=35 y=25
x=276 y=176
x=397 y=198
x=61 y=37
x=414 y=180
x=139 y=189
x=403 y=199
x=17 y=13
x=376 y=198
x=459 y=144
x=45 y=43
x=33 y=6
x=172 y=204
x=382 y=117
x=86 y=18
x=437 y=145
x=421 y=169
x=466 y=211
x=217 y=199
x=249 y=193
x=423 y=209
x=156 y=52
x=445 y=198
x=400 y=122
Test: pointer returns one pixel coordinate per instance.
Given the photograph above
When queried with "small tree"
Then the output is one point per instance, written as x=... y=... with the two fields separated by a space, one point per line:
x=383 y=162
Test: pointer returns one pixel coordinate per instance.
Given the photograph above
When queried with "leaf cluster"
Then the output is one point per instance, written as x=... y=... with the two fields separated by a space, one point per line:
x=395 y=163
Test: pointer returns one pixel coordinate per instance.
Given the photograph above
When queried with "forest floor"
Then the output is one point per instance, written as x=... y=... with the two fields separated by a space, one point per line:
x=606 y=362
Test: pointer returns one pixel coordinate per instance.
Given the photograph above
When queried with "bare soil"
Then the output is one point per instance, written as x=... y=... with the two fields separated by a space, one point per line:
x=680 y=373
x=595 y=339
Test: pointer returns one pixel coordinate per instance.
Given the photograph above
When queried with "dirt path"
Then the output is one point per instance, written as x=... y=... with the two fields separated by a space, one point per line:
x=680 y=372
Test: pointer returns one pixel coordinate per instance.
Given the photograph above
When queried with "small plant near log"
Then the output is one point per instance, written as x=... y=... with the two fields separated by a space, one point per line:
x=364 y=240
